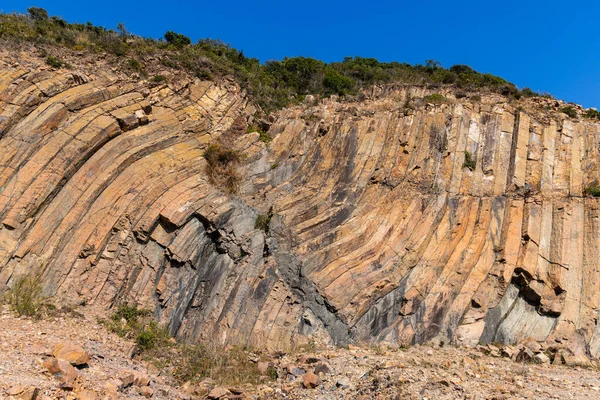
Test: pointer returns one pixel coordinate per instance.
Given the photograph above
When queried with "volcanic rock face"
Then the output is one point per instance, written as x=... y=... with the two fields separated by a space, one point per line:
x=378 y=231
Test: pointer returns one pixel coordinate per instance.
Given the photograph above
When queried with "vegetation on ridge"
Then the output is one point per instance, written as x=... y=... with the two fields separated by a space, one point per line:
x=272 y=85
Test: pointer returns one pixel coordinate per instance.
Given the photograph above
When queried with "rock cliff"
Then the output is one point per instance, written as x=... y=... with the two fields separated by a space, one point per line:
x=378 y=230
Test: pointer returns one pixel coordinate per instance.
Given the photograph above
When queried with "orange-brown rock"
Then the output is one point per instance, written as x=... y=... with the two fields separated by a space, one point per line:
x=310 y=380
x=378 y=229
x=63 y=371
x=72 y=353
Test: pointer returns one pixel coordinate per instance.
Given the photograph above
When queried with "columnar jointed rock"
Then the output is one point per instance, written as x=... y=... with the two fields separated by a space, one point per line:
x=378 y=230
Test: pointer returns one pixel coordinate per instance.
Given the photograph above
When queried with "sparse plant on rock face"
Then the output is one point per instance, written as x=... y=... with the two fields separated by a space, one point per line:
x=470 y=162
x=435 y=98
x=592 y=113
x=263 y=136
x=262 y=222
x=25 y=297
x=593 y=191
x=570 y=111
x=221 y=167
x=54 y=62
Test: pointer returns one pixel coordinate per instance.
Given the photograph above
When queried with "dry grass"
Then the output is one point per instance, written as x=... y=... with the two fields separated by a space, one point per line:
x=222 y=167
x=226 y=365
x=25 y=297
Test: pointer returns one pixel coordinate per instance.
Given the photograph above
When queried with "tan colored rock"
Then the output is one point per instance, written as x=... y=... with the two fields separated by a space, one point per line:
x=579 y=360
x=24 y=392
x=63 y=371
x=87 y=395
x=310 y=380
x=376 y=217
x=72 y=353
x=129 y=378
x=218 y=392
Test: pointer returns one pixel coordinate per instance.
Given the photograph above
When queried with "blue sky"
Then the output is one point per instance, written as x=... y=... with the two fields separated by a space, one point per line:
x=547 y=45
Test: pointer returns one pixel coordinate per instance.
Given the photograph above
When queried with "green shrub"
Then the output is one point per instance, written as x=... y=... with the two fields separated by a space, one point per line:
x=526 y=92
x=272 y=85
x=130 y=313
x=158 y=78
x=435 y=98
x=177 y=39
x=148 y=337
x=470 y=162
x=54 y=62
x=263 y=136
x=335 y=83
x=593 y=191
x=37 y=14
x=569 y=110
x=135 y=65
x=25 y=297
x=262 y=222
x=592 y=113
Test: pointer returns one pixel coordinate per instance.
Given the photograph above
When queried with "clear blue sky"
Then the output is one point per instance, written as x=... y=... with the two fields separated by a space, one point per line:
x=547 y=45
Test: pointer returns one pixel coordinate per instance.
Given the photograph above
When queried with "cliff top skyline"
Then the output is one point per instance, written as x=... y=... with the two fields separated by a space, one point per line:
x=542 y=45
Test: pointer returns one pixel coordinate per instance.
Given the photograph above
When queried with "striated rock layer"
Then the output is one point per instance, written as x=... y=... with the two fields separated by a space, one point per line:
x=378 y=231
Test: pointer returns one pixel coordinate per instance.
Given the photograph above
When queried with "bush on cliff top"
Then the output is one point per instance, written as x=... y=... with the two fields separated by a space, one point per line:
x=272 y=85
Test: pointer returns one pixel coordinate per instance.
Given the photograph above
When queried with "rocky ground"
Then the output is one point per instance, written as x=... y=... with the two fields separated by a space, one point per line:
x=71 y=356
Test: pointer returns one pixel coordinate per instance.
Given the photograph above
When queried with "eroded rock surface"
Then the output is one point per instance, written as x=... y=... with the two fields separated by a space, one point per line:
x=378 y=230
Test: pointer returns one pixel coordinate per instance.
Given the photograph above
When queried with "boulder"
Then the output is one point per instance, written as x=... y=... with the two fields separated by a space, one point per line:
x=63 y=371
x=133 y=378
x=578 y=360
x=310 y=380
x=72 y=353
x=218 y=392
x=541 y=358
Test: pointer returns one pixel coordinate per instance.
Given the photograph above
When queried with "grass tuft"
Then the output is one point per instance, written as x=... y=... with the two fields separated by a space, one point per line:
x=470 y=162
x=221 y=167
x=25 y=297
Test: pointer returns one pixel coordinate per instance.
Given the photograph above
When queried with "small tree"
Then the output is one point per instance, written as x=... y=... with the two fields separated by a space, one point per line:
x=122 y=30
x=37 y=14
x=177 y=39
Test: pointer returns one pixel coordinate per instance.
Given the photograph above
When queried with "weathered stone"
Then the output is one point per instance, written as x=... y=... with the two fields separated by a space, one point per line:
x=129 y=378
x=579 y=360
x=218 y=392
x=72 y=353
x=310 y=380
x=63 y=371
x=541 y=358
x=375 y=218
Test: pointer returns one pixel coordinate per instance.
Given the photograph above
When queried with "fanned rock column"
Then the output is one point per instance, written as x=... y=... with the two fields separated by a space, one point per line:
x=379 y=230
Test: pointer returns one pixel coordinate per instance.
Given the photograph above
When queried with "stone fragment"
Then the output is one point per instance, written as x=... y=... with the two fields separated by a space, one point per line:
x=142 y=117
x=63 y=371
x=342 y=384
x=87 y=395
x=218 y=392
x=72 y=353
x=295 y=371
x=322 y=368
x=129 y=378
x=579 y=360
x=310 y=380
x=541 y=358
